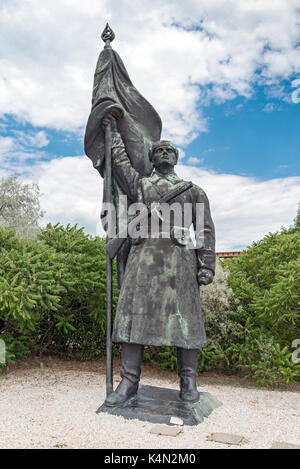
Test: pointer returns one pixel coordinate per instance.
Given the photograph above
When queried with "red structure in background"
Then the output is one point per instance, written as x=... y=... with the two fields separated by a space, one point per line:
x=228 y=255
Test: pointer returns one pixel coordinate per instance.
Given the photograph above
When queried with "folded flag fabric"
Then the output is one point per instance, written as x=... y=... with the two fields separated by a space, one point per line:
x=140 y=125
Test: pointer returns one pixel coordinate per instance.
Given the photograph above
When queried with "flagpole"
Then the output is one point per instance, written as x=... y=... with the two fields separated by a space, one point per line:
x=107 y=36
x=109 y=277
x=113 y=93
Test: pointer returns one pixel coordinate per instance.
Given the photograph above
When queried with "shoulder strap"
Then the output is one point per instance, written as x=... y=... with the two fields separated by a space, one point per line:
x=178 y=189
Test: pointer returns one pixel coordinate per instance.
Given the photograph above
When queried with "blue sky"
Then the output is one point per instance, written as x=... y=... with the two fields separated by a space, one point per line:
x=254 y=137
x=59 y=143
x=223 y=75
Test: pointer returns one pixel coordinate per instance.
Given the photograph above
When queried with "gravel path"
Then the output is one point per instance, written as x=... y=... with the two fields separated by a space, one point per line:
x=54 y=407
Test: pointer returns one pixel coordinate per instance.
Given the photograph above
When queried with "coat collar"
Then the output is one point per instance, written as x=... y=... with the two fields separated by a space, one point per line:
x=171 y=177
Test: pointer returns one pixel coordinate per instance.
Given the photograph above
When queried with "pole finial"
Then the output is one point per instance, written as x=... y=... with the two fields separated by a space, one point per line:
x=107 y=36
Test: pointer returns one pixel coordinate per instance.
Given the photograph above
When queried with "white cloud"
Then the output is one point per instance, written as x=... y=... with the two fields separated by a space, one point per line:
x=22 y=146
x=181 y=154
x=194 y=160
x=269 y=107
x=6 y=145
x=71 y=191
x=49 y=50
x=244 y=209
x=32 y=139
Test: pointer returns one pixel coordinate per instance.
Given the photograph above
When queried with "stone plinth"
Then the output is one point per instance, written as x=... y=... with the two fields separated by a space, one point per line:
x=159 y=405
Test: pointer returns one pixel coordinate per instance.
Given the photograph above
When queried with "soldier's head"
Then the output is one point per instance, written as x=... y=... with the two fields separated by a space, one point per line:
x=163 y=153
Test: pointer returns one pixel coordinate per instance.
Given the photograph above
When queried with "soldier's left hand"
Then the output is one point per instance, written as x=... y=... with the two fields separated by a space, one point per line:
x=205 y=277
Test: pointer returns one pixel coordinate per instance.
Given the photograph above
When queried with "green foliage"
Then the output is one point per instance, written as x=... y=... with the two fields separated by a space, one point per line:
x=52 y=292
x=30 y=281
x=265 y=280
x=264 y=360
x=77 y=329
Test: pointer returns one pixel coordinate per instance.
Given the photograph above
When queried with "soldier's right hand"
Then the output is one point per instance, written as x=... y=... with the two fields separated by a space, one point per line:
x=109 y=119
x=205 y=277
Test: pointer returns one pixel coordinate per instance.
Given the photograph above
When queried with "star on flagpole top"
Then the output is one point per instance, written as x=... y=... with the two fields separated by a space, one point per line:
x=107 y=36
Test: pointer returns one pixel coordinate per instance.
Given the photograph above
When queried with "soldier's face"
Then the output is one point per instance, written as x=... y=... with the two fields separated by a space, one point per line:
x=164 y=155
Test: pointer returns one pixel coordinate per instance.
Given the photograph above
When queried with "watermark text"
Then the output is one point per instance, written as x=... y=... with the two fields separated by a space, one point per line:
x=156 y=220
x=2 y=352
x=296 y=94
x=296 y=353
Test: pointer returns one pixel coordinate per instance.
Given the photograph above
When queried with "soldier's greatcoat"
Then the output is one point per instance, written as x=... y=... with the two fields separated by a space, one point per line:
x=159 y=302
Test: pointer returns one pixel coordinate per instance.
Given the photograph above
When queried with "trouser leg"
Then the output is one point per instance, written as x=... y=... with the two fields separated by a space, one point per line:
x=188 y=371
x=131 y=360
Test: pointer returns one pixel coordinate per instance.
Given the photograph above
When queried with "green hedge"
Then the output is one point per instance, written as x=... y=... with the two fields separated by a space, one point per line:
x=53 y=293
x=266 y=281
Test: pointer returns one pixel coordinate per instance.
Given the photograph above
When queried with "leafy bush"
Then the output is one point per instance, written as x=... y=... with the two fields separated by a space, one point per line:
x=77 y=329
x=52 y=293
x=265 y=280
x=32 y=280
x=262 y=359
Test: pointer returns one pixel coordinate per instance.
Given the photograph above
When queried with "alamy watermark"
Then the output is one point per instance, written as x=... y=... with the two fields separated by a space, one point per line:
x=296 y=94
x=2 y=352
x=296 y=353
x=155 y=220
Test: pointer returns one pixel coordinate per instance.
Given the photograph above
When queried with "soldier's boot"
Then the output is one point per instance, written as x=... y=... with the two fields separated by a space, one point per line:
x=187 y=364
x=131 y=360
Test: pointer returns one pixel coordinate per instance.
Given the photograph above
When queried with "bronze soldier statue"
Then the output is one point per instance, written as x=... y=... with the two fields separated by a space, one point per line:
x=159 y=301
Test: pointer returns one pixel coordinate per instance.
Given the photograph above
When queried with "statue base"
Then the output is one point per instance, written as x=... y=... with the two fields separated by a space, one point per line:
x=159 y=405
